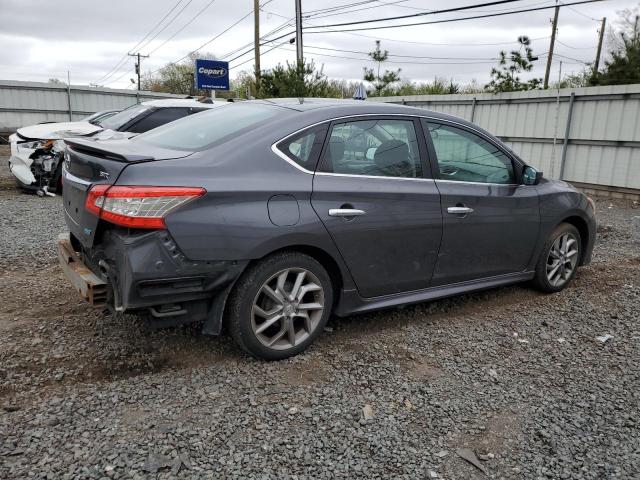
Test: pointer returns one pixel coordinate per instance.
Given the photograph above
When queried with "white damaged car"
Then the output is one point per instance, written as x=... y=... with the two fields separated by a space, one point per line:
x=37 y=151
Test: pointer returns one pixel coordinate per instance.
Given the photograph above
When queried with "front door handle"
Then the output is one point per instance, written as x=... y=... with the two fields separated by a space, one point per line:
x=459 y=210
x=346 y=212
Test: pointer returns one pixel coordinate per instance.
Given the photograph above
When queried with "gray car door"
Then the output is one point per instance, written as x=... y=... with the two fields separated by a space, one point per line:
x=374 y=195
x=490 y=223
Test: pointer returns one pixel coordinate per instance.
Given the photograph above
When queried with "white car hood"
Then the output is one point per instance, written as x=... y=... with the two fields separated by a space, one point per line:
x=57 y=131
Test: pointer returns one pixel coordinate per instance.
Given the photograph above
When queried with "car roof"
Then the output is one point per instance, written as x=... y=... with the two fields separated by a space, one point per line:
x=182 y=102
x=334 y=107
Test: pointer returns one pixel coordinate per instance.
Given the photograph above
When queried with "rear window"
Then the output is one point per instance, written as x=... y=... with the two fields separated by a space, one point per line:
x=202 y=130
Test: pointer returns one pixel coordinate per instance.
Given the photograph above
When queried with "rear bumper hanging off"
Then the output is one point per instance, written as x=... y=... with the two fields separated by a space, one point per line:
x=91 y=287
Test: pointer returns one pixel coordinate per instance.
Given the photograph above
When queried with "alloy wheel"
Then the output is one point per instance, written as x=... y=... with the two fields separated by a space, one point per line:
x=287 y=309
x=562 y=259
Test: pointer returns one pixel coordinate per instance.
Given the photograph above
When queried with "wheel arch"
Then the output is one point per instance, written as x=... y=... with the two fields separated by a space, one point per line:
x=583 y=229
x=321 y=256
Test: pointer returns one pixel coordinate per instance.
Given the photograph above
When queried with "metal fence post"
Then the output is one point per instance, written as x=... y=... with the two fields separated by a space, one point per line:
x=473 y=109
x=69 y=102
x=567 y=131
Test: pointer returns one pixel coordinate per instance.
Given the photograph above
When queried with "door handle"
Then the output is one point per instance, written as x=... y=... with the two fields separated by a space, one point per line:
x=459 y=210
x=346 y=212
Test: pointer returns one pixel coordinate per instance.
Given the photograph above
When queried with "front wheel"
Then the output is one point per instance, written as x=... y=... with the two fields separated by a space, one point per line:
x=558 y=260
x=280 y=305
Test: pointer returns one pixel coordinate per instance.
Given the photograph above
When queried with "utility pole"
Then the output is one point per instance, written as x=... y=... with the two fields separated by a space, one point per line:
x=138 y=64
x=596 y=64
x=299 y=54
x=256 y=41
x=551 y=45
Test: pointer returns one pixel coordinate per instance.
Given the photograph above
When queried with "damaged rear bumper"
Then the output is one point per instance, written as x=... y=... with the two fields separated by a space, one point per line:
x=90 y=287
x=147 y=273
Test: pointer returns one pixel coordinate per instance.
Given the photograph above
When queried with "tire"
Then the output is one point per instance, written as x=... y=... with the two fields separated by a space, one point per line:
x=261 y=316
x=558 y=261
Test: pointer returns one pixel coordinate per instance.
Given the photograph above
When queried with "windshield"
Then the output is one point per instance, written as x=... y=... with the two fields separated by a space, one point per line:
x=122 y=118
x=202 y=130
x=92 y=118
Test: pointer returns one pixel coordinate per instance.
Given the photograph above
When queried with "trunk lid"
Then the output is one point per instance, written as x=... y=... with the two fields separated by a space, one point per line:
x=88 y=163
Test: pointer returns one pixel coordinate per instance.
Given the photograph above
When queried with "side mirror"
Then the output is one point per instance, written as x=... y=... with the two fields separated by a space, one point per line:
x=531 y=176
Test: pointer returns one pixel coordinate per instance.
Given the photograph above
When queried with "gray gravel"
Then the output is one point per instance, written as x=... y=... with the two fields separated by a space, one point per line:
x=516 y=377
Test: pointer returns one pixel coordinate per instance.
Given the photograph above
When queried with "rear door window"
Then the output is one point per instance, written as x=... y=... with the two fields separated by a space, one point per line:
x=377 y=147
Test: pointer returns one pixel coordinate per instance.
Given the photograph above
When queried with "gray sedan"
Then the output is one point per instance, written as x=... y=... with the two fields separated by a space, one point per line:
x=266 y=217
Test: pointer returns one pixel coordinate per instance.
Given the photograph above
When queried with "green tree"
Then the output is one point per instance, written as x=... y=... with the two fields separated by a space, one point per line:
x=623 y=67
x=299 y=79
x=388 y=78
x=504 y=78
x=439 y=86
x=340 y=88
x=244 y=83
x=575 y=80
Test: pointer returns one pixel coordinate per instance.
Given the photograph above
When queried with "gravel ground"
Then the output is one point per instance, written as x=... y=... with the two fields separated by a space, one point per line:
x=514 y=376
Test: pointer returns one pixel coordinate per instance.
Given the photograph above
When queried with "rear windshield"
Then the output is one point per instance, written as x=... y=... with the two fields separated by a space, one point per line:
x=125 y=116
x=202 y=130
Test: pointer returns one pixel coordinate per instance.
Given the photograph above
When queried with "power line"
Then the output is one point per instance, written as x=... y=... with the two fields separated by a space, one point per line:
x=124 y=57
x=417 y=8
x=418 y=42
x=343 y=9
x=405 y=56
x=263 y=37
x=399 y=62
x=263 y=53
x=184 y=26
x=576 y=48
x=421 y=14
x=249 y=50
x=211 y=39
x=431 y=43
x=339 y=7
x=117 y=79
x=584 y=62
x=580 y=13
x=379 y=27
x=166 y=25
x=395 y=40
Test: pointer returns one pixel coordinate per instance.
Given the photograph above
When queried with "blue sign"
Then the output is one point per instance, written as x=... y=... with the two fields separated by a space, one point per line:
x=212 y=75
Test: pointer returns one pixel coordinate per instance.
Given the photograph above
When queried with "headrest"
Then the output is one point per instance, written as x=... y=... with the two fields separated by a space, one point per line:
x=390 y=153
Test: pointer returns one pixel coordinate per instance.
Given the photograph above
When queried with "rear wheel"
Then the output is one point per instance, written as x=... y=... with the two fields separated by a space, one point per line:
x=280 y=305
x=558 y=260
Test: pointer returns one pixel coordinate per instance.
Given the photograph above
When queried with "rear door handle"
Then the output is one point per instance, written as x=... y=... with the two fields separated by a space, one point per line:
x=346 y=212
x=459 y=210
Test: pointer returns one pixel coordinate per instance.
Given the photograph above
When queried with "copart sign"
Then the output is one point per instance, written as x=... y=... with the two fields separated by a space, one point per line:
x=212 y=75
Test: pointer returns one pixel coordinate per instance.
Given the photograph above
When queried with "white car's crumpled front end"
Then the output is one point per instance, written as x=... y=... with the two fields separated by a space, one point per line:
x=38 y=150
x=20 y=163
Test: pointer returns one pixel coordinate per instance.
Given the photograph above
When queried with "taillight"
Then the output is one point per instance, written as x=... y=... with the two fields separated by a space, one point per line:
x=138 y=206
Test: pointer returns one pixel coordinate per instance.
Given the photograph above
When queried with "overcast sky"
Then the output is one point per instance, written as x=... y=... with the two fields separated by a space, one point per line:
x=43 y=39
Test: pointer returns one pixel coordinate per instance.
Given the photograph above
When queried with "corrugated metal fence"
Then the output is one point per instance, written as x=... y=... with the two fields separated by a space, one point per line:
x=587 y=136
x=28 y=103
